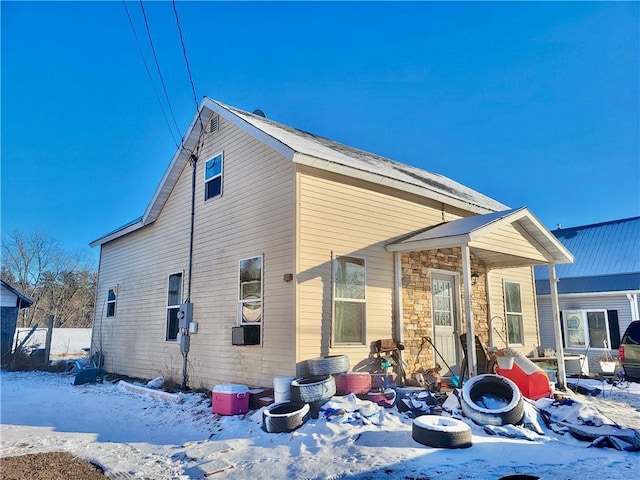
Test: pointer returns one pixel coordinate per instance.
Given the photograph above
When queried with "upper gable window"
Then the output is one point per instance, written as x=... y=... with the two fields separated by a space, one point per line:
x=213 y=176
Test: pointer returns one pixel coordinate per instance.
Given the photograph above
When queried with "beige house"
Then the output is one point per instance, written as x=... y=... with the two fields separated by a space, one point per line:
x=299 y=247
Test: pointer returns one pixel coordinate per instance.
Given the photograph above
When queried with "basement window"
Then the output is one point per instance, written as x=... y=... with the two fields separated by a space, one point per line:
x=213 y=176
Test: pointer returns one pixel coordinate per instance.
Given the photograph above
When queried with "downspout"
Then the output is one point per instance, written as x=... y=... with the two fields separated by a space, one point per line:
x=184 y=344
x=633 y=303
x=555 y=315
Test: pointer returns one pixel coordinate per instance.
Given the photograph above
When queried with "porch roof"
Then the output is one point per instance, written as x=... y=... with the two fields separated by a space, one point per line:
x=510 y=238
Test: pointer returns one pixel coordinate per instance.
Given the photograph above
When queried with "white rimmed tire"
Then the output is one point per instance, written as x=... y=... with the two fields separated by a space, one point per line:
x=441 y=432
x=312 y=389
x=492 y=400
x=330 y=365
x=284 y=417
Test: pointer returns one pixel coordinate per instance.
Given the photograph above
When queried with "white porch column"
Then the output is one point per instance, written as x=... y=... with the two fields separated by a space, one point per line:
x=472 y=362
x=555 y=315
x=399 y=313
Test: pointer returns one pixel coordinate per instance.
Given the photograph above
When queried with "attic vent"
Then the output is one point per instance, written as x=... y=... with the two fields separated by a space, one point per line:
x=214 y=123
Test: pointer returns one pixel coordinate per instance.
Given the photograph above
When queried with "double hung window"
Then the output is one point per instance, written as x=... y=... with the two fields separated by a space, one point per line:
x=174 y=298
x=349 y=300
x=513 y=307
x=213 y=169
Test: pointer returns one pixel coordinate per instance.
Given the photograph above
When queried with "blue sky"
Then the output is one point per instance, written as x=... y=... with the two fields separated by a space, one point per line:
x=532 y=104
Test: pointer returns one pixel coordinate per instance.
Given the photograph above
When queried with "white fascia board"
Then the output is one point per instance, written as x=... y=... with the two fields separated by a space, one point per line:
x=252 y=130
x=179 y=160
x=338 y=168
x=112 y=236
x=535 y=230
x=441 y=242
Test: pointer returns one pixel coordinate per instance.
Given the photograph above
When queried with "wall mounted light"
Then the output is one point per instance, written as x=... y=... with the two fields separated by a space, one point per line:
x=474 y=278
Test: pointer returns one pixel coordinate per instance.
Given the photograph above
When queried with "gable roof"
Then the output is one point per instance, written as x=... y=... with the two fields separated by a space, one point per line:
x=607 y=258
x=472 y=230
x=307 y=149
x=24 y=301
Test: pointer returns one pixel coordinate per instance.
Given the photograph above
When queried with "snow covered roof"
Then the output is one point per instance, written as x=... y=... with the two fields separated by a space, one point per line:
x=318 y=152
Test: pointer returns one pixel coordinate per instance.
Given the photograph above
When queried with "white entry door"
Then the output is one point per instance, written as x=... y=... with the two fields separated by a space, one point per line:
x=443 y=309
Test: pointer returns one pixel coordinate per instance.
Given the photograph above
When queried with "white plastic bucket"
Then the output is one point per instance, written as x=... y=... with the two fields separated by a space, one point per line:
x=282 y=388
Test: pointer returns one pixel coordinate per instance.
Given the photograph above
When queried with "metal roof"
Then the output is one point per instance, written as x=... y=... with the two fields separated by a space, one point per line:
x=607 y=258
x=318 y=152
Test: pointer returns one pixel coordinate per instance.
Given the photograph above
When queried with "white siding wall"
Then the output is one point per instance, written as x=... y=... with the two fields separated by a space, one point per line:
x=579 y=302
x=254 y=216
x=523 y=276
x=8 y=298
x=356 y=219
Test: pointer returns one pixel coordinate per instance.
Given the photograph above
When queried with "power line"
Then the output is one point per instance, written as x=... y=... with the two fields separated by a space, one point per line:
x=186 y=61
x=155 y=57
x=146 y=67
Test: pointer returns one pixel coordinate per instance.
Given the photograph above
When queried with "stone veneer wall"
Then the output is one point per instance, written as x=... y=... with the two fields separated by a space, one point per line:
x=416 y=303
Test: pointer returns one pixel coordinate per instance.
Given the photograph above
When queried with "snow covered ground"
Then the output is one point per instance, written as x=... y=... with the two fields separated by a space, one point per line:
x=136 y=436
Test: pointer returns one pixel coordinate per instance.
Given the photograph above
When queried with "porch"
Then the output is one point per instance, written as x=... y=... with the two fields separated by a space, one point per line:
x=450 y=280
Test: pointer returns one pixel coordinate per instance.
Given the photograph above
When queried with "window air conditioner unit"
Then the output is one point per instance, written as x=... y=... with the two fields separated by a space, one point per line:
x=245 y=335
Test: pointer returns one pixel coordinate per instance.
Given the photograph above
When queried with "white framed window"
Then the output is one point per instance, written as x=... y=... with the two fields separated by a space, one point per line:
x=213 y=169
x=349 y=300
x=174 y=299
x=250 y=291
x=586 y=328
x=112 y=297
x=513 y=310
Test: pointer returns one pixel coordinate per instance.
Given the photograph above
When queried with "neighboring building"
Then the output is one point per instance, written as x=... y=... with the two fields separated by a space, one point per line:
x=311 y=248
x=598 y=293
x=11 y=301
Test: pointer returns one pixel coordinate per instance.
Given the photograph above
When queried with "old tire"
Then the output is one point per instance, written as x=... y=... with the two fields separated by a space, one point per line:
x=284 y=417
x=308 y=390
x=331 y=365
x=492 y=400
x=441 y=432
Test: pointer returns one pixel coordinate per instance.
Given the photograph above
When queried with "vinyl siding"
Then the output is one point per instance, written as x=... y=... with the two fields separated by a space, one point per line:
x=615 y=301
x=507 y=240
x=523 y=276
x=350 y=217
x=254 y=216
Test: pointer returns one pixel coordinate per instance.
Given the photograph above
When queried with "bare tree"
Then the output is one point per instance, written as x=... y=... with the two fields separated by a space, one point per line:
x=60 y=283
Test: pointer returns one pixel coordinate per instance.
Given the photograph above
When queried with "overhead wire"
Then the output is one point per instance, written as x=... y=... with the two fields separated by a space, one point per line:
x=146 y=67
x=186 y=60
x=155 y=57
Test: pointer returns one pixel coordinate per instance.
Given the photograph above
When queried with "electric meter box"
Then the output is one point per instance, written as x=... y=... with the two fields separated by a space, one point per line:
x=185 y=315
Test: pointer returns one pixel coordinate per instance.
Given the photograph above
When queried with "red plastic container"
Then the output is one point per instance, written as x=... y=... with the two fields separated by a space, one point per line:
x=353 y=382
x=230 y=399
x=532 y=381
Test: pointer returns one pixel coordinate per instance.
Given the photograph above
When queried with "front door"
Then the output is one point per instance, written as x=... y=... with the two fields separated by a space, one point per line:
x=443 y=308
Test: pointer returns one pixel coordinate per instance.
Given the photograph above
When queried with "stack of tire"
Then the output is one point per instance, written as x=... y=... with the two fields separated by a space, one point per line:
x=308 y=394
